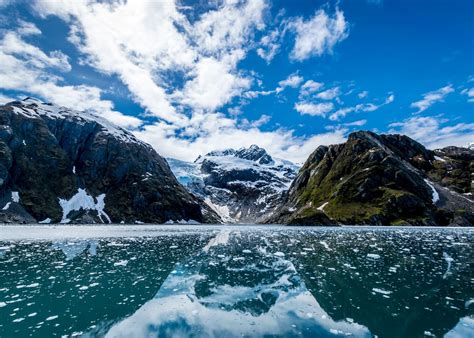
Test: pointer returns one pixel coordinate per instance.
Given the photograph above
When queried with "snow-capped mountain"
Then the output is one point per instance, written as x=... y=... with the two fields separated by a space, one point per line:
x=240 y=185
x=61 y=165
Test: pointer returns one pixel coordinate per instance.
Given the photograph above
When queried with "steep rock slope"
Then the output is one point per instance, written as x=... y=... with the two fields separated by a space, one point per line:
x=241 y=185
x=381 y=179
x=60 y=165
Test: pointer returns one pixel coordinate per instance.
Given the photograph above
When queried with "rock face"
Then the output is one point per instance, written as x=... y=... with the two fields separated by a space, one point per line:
x=381 y=180
x=241 y=185
x=60 y=165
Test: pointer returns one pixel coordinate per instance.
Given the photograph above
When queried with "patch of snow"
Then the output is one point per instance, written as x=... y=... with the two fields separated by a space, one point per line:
x=437 y=158
x=82 y=200
x=222 y=210
x=74 y=170
x=45 y=221
x=435 y=195
x=321 y=208
x=373 y=256
x=7 y=206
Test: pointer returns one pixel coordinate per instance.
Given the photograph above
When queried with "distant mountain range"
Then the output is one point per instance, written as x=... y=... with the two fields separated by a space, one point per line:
x=242 y=186
x=58 y=165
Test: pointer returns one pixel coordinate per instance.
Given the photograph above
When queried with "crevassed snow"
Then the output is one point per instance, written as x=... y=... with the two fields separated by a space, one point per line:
x=435 y=195
x=82 y=200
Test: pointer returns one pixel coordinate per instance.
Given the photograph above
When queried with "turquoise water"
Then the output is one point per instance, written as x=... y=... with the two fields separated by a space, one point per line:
x=239 y=281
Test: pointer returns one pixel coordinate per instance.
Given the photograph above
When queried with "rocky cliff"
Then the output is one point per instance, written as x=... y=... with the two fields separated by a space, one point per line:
x=242 y=186
x=381 y=179
x=60 y=165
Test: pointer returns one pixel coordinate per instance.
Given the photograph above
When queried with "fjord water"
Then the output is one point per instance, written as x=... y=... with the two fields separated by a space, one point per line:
x=239 y=281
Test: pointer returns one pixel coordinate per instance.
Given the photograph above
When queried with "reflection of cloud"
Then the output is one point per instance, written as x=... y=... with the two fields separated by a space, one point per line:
x=464 y=328
x=73 y=249
x=177 y=309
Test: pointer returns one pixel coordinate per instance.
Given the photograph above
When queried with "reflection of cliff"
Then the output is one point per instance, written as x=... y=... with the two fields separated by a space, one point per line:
x=395 y=283
x=226 y=291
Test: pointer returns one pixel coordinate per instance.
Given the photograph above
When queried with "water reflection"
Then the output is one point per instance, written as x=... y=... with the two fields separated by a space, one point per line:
x=240 y=281
x=222 y=294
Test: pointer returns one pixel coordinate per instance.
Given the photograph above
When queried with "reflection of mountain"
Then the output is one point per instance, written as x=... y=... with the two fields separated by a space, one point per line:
x=234 y=292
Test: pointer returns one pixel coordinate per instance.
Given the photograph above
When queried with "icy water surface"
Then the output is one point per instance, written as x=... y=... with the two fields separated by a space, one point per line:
x=241 y=281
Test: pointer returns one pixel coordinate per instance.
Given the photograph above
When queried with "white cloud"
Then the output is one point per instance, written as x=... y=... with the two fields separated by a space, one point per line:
x=361 y=107
x=310 y=87
x=433 y=131
x=431 y=98
x=318 y=35
x=26 y=68
x=358 y=123
x=329 y=94
x=469 y=93
x=213 y=86
x=314 y=109
x=144 y=41
x=269 y=45
x=363 y=94
x=292 y=81
x=219 y=132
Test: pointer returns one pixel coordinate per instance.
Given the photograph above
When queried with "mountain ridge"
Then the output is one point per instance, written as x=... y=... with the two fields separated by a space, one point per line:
x=381 y=180
x=58 y=165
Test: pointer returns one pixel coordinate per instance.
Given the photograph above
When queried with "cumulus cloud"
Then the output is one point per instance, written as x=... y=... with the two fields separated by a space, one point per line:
x=469 y=92
x=318 y=35
x=361 y=107
x=431 y=98
x=314 y=109
x=329 y=94
x=310 y=87
x=27 y=69
x=292 y=81
x=434 y=132
x=180 y=69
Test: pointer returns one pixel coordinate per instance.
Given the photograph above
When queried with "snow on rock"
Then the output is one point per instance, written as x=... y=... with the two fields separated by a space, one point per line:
x=82 y=200
x=35 y=108
x=435 y=195
x=321 y=208
x=221 y=210
x=45 y=221
x=15 y=197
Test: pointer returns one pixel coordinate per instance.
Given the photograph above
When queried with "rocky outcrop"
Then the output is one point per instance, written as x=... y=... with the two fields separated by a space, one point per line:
x=381 y=180
x=242 y=185
x=60 y=165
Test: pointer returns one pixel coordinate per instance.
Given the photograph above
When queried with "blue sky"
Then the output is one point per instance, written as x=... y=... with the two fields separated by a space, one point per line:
x=193 y=76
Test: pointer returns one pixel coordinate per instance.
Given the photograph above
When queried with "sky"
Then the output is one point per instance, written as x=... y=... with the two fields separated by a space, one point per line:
x=190 y=77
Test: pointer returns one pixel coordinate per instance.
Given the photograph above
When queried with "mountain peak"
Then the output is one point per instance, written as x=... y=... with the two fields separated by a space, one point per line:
x=254 y=153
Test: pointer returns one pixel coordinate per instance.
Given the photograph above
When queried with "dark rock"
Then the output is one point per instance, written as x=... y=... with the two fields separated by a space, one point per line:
x=381 y=179
x=48 y=153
